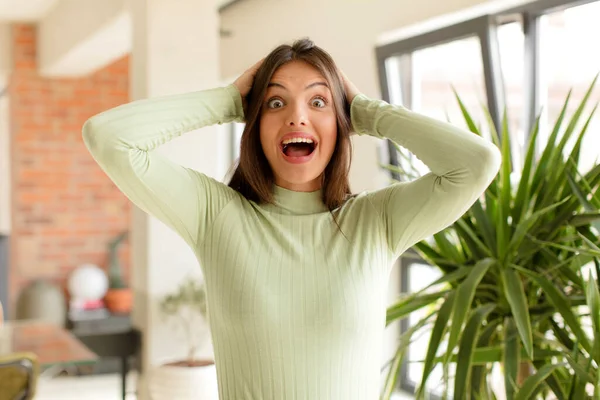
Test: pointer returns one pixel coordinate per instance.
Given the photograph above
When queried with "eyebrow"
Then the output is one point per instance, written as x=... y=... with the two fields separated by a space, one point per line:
x=319 y=83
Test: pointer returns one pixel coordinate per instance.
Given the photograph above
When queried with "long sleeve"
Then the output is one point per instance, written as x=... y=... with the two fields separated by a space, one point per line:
x=123 y=141
x=462 y=166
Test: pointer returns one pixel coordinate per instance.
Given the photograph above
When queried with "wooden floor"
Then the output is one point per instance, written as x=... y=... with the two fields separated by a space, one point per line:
x=102 y=387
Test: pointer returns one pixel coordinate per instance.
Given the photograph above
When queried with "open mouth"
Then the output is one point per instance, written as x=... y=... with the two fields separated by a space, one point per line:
x=298 y=147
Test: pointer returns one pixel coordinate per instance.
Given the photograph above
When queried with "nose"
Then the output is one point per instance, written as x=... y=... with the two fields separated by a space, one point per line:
x=296 y=116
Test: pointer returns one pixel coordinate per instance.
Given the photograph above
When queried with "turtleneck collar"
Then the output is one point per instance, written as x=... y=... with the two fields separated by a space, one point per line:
x=291 y=202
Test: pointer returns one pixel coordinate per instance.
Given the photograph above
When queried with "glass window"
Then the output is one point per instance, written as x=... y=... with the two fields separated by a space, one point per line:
x=568 y=61
x=236 y=138
x=511 y=42
x=419 y=275
x=423 y=82
x=438 y=69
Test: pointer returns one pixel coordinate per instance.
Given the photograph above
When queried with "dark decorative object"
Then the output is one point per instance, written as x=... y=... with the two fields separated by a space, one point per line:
x=42 y=300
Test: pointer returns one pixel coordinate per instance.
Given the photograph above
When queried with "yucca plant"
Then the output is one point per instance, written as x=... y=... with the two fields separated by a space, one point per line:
x=520 y=278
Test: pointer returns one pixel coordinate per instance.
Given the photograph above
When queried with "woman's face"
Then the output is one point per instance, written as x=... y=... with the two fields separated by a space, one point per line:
x=298 y=126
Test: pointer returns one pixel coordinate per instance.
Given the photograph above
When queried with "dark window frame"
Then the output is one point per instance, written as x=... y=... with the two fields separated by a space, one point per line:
x=485 y=28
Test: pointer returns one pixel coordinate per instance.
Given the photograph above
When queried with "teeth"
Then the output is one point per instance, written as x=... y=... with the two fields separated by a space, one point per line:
x=297 y=140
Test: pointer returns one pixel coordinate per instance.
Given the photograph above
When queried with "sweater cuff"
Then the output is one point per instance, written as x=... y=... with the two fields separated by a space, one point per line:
x=235 y=95
x=363 y=115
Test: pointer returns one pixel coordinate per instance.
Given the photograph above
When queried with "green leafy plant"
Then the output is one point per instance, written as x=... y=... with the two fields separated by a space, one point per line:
x=186 y=307
x=517 y=291
x=115 y=273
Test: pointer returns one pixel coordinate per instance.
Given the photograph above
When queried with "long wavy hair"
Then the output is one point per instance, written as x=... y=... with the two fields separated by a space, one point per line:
x=253 y=176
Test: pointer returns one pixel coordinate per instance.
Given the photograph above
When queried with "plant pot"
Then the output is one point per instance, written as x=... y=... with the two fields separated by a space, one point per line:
x=184 y=382
x=119 y=301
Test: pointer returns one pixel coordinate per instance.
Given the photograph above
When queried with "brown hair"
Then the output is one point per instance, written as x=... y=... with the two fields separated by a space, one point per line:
x=253 y=177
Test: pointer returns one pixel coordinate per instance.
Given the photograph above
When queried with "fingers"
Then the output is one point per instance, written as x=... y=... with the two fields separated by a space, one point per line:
x=351 y=90
x=256 y=66
x=254 y=69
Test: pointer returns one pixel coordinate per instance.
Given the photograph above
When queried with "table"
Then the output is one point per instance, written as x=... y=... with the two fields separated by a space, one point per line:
x=111 y=337
x=52 y=344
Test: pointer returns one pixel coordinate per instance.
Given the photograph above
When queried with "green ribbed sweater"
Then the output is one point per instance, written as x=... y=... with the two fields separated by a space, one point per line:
x=297 y=309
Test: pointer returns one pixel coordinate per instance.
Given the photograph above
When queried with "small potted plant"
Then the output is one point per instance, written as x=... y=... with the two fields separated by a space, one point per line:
x=118 y=298
x=191 y=377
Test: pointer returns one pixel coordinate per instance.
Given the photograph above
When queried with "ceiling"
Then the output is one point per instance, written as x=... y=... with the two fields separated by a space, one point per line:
x=24 y=10
x=34 y=10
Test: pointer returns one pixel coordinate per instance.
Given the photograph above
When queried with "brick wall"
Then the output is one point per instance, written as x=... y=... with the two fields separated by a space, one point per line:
x=64 y=208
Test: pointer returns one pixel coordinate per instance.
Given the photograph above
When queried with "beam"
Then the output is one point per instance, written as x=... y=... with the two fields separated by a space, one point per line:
x=6 y=64
x=5 y=50
x=78 y=37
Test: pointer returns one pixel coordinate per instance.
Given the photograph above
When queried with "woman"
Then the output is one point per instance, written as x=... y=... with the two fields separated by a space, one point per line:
x=296 y=269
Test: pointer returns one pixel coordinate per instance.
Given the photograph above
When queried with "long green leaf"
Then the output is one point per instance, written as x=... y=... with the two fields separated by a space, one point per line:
x=554 y=380
x=590 y=179
x=559 y=166
x=573 y=159
x=396 y=363
x=467 y=117
x=502 y=226
x=453 y=276
x=511 y=358
x=479 y=372
x=523 y=228
x=581 y=250
x=534 y=380
x=583 y=200
x=427 y=253
x=593 y=301
x=448 y=249
x=597 y=387
x=404 y=307
x=515 y=294
x=588 y=243
x=464 y=298
x=585 y=218
x=541 y=170
x=524 y=189
x=494 y=354
x=465 y=350
x=559 y=300
x=437 y=333
x=579 y=194
x=575 y=119
x=477 y=250
x=483 y=220
x=469 y=232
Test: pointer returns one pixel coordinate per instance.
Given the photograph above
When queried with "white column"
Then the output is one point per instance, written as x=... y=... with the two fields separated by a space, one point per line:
x=5 y=68
x=175 y=50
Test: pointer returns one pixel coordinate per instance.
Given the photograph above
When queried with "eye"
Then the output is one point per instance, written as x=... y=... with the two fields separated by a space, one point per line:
x=318 y=102
x=275 y=103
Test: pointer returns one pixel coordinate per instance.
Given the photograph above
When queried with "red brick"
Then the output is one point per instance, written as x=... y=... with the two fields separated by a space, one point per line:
x=65 y=209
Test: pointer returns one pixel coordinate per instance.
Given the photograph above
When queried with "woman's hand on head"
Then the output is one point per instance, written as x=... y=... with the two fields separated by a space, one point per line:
x=351 y=90
x=244 y=82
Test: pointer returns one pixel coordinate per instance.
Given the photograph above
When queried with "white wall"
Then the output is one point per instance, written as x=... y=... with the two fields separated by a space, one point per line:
x=5 y=65
x=4 y=162
x=175 y=50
